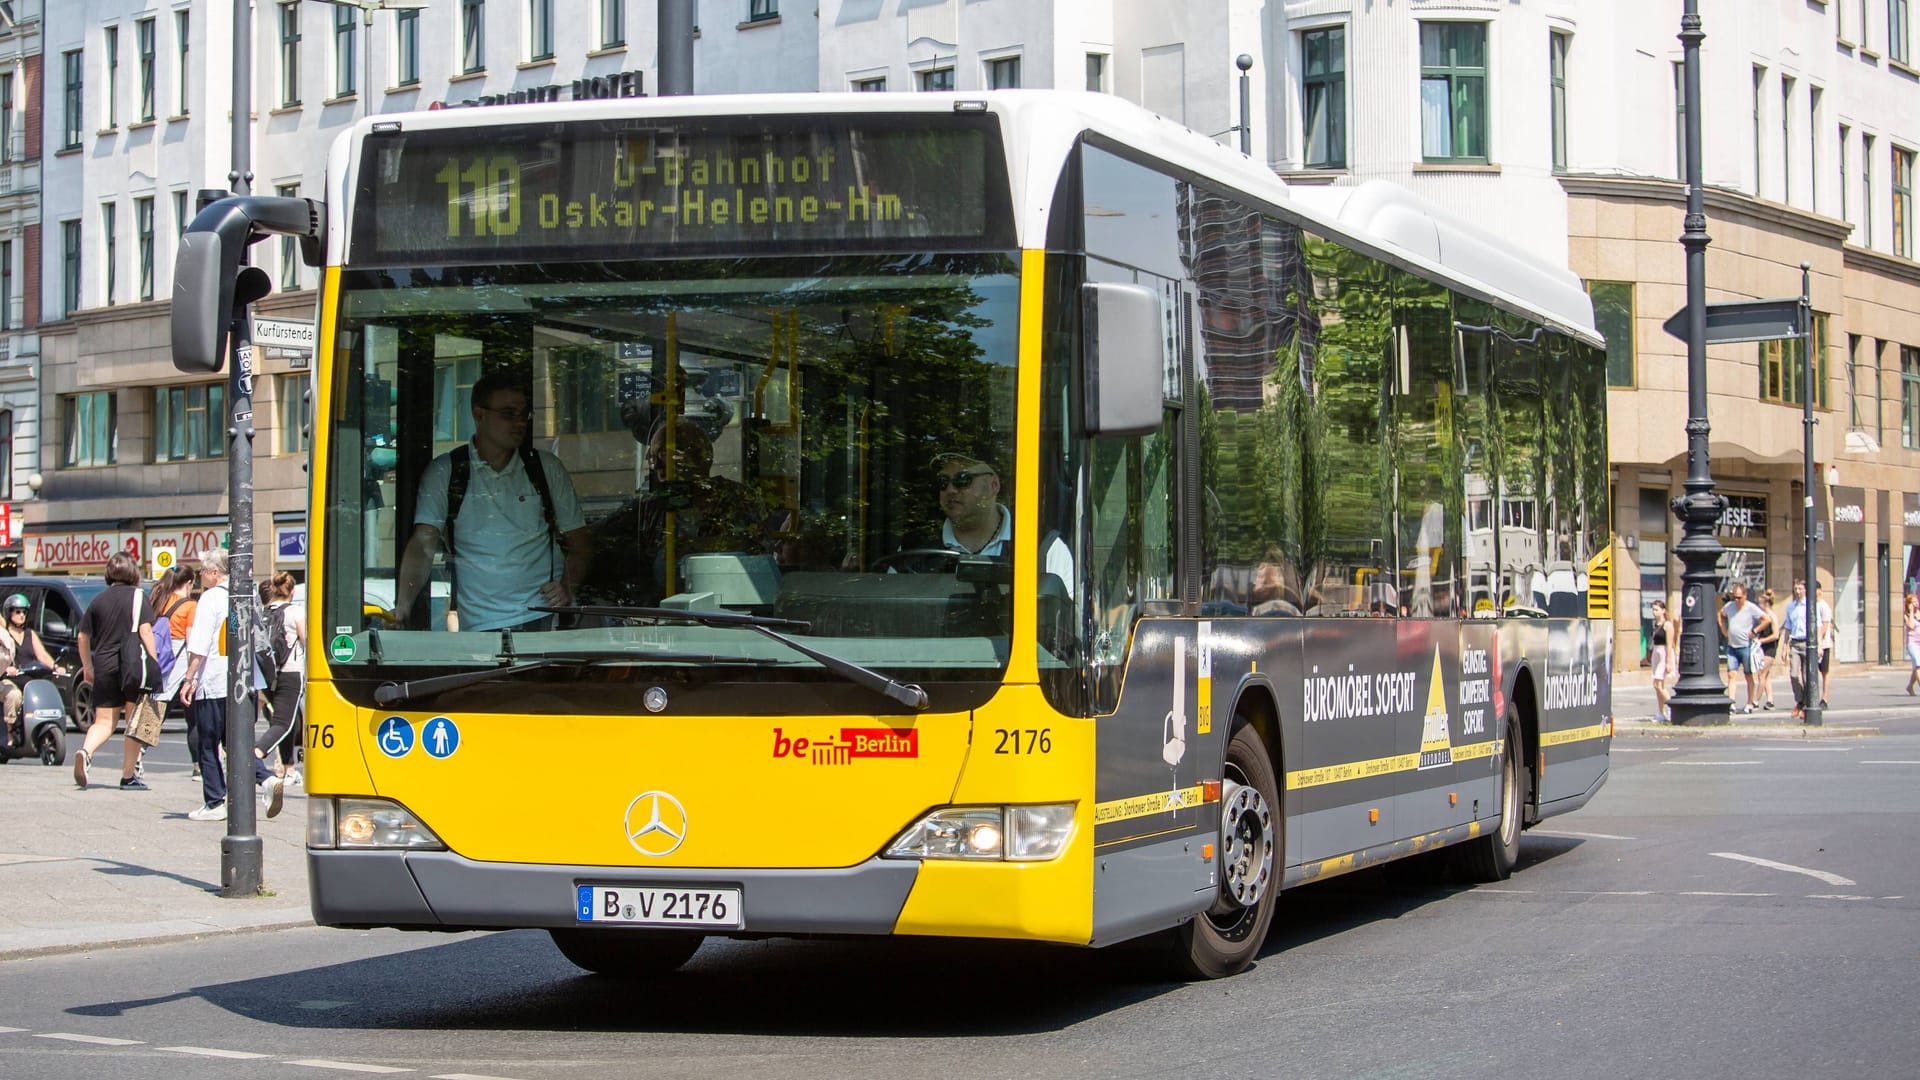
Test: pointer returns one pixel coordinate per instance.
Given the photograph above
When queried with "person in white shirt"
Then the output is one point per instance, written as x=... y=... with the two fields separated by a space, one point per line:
x=204 y=689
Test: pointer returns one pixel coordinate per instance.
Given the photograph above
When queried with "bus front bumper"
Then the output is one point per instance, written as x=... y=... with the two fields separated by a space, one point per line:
x=439 y=890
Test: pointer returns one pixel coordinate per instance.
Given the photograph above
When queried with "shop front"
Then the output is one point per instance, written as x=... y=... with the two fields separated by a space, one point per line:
x=1849 y=574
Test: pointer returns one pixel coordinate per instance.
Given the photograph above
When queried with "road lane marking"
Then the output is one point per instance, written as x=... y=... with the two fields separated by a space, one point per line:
x=1561 y=892
x=9 y=1031
x=1835 y=896
x=1710 y=763
x=346 y=1066
x=1831 y=879
x=97 y=1040
x=1704 y=892
x=1582 y=835
x=1877 y=761
x=1803 y=749
x=467 y=1076
x=208 y=1051
x=1645 y=749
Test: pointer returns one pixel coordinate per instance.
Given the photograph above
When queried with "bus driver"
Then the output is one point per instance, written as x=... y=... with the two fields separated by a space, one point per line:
x=515 y=540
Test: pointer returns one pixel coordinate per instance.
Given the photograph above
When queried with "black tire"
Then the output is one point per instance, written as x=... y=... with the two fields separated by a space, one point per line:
x=1491 y=857
x=1224 y=940
x=80 y=717
x=52 y=746
x=627 y=954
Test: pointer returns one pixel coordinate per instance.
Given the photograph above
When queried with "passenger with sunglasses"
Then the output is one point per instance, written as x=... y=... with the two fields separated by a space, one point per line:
x=518 y=544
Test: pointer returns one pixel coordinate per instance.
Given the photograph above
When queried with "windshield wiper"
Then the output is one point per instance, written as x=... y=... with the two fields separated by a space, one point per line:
x=906 y=694
x=393 y=693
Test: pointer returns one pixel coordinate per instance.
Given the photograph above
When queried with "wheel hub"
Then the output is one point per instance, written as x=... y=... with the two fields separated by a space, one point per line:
x=1246 y=845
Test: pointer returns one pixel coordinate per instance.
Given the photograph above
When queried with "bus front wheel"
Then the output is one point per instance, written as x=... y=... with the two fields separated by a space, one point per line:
x=1492 y=857
x=1224 y=939
x=627 y=953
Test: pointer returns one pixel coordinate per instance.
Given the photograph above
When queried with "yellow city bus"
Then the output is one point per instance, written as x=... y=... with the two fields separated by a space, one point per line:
x=1280 y=489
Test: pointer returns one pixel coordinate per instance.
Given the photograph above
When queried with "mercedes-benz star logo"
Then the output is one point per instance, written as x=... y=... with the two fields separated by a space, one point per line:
x=656 y=824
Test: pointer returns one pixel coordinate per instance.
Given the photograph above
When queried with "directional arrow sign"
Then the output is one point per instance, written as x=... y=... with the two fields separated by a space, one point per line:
x=1743 y=320
x=281 y=334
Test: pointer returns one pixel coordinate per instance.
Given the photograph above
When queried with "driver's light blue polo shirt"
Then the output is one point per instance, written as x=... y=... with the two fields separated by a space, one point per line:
x=503 y=553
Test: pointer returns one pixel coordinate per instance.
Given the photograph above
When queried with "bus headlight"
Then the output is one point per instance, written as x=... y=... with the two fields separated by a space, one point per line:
x=992 y=833
x=366 y=824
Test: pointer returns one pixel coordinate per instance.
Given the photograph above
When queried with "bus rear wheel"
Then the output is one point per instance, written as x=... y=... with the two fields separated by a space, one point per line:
x=627 y=954
x=1493 y=856
x=1224 y=939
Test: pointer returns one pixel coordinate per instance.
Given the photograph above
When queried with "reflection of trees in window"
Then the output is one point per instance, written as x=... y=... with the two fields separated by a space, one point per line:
x=1344 y=544
x=1426 y=460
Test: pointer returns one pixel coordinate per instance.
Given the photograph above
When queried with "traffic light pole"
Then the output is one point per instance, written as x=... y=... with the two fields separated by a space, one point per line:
x=240 y=849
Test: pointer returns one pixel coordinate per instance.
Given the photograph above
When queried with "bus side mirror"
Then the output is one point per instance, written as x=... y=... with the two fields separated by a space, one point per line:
x=211 y=253
x=1125 y=370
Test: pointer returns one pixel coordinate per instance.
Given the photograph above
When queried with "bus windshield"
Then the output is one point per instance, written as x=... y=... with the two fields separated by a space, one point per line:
x=817 y=438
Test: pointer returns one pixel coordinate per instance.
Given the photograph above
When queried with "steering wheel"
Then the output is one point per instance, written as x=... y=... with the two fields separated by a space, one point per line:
x=917 y=561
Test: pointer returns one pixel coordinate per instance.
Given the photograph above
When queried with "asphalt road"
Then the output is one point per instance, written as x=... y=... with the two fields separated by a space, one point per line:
x=1726 y=907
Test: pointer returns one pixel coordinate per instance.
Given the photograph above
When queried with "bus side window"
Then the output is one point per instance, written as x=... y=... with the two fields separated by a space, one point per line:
x=1133 y=558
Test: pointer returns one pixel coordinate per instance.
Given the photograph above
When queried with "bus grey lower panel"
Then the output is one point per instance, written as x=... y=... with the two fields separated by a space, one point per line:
x=1142 y=889
x=1572 y=802
x=358 y=888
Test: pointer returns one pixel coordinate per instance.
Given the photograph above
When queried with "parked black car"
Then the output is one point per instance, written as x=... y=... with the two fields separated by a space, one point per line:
x=57 y=604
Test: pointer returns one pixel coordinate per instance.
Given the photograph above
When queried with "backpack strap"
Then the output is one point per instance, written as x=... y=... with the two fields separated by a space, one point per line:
x=537 y=473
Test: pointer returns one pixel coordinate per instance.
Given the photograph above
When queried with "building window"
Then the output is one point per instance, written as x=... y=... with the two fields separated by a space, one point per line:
x=1903 y=203
x=1897 y=31
x=346 y=28
x=1813 y=147
x=69 y=267
x=181 y=24
x=1783 y=374
x=1853 y=382
x=762 y=9
x=1680 y=121
x=6 y=116
x=290 y=54
x=1846 y=136
x=1557 y=90
x=613 y=23
x=111 y=44
x=539 y=29
x=1004 y=73
x=189 y=422
x=143 y=237
x=289 y=246
x=1786 y=139
x=180 y=214
x=1323 y=97
x=870 y=86
x=71 y=68
x=144 y=41
x=87 y=429
x=1879 y=398
x=6 y=454
x=1759 y=80
x=1096 y=73
x=937 y=79
x=406 y=53
x=1613 y=316
x=1866 y=191
x=108 y=227
x=6 y=284
x=295 y=412
x=1453 y=92
x=473 y=36
x=1910 y=397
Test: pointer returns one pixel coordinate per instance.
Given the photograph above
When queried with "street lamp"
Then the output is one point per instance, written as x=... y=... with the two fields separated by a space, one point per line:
x=367 y=8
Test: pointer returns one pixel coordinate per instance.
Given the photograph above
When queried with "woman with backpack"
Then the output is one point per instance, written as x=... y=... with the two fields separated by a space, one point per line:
x=172 y=600
x=287 y=638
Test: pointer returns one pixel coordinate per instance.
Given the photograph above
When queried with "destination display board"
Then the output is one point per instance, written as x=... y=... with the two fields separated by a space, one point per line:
x=619 y=189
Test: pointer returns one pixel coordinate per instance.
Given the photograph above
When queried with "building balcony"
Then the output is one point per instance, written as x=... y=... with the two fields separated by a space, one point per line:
x=19 y=177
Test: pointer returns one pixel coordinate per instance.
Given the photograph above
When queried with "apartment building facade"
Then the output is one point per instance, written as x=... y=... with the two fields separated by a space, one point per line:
x=1553 y=122
x=20 y=142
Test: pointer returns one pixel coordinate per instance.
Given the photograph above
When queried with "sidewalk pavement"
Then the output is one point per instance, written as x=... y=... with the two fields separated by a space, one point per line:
x=82 y=870
x=92 y=869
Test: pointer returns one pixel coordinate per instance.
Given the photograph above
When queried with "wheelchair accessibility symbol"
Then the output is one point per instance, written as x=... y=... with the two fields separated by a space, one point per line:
x=396 y=737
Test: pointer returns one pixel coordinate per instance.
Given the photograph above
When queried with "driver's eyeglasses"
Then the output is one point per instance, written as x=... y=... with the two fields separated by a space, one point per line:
x=510 y=415
x=959 y=481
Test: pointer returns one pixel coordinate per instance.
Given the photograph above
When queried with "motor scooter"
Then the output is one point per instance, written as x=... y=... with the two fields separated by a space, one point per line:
x=41 y=730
